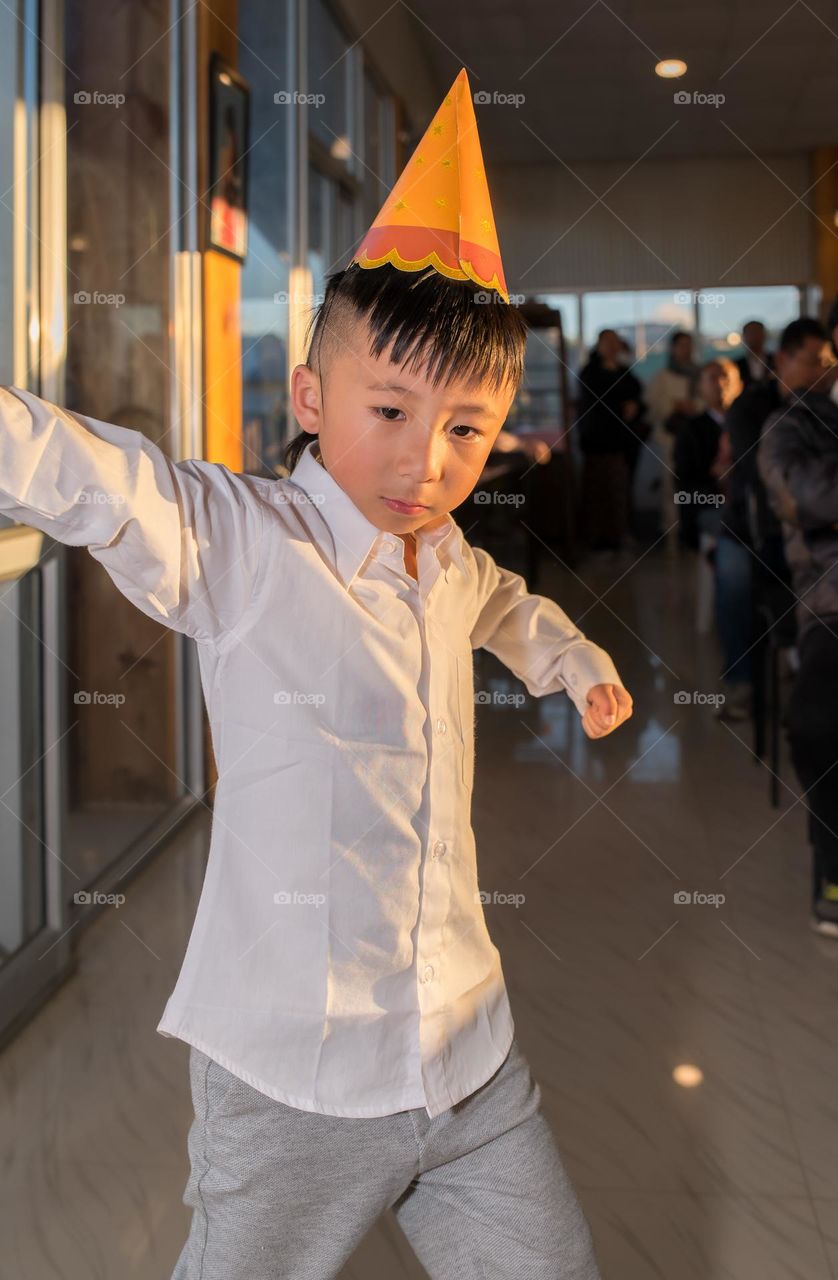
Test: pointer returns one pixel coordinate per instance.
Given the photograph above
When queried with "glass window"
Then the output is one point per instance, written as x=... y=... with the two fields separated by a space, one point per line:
x=263 y=56
x=644 y=319
x=123 y=756
x=319 y=195
x=538 y=403
x=329 y=68
x=379 y=140
x=723 y=312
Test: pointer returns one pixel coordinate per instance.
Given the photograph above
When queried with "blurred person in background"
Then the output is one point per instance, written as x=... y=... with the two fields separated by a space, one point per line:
x=697 y=445
x=640 y=427
x=757 y=364
x=797 y=460
x=610 y=402
x=832 y=329
x=750 y=560
x=671 y=396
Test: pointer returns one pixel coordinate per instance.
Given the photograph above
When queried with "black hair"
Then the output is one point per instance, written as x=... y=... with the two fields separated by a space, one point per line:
x=677 y=335
x=796 y=333
x=450 y=328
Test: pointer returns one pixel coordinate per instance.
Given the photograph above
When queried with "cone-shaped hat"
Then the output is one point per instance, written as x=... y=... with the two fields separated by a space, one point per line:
x=439 y=213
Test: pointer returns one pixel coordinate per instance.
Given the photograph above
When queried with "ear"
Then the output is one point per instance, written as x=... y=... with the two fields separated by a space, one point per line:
x=305 y=398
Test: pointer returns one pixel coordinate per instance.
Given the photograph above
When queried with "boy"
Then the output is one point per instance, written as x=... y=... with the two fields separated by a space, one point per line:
x=352 y=1045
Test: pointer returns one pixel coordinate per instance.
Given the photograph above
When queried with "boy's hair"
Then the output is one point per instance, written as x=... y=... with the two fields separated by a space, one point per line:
x=450 y=328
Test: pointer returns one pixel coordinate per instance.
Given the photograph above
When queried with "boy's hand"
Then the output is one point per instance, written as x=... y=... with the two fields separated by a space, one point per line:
x=604 y=701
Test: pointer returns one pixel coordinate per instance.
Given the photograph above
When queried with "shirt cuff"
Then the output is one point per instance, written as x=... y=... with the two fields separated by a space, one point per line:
x=586 y=664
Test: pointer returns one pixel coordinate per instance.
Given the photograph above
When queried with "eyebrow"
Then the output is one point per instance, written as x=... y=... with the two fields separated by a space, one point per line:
x=475 y=407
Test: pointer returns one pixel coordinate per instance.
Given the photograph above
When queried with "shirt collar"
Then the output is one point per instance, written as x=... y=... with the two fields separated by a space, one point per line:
x=354 y=535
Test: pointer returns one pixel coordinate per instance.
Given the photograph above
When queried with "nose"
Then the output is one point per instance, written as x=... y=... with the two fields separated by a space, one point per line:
x=422 y=460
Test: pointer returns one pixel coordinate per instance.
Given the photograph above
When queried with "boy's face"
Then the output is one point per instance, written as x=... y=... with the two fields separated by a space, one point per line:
x=389 y=434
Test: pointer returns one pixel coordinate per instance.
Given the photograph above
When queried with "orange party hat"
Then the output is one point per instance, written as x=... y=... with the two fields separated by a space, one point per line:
x=439 y=213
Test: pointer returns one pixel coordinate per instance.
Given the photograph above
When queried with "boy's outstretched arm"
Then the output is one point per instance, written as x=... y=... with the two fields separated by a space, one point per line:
x=181 y=540
x=536 y=639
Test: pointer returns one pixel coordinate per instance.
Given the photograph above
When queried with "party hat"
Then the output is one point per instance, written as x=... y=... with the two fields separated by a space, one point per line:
x=439 y=213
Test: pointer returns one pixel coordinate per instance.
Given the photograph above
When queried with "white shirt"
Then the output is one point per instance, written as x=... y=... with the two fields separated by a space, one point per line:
x=339 y=959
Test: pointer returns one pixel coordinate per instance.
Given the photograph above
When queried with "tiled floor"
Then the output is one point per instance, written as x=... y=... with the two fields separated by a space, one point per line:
x=614 y=985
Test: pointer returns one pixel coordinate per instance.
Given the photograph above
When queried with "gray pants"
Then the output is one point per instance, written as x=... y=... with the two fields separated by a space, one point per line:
x=479 y=1190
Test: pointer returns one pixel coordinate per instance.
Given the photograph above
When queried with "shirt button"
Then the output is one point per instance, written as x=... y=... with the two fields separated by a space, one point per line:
x=438 y=849
x=441 y=726
x=427 y=973
x=388 y=546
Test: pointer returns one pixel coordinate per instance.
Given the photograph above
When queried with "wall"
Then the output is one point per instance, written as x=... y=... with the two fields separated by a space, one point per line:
x=702 y=221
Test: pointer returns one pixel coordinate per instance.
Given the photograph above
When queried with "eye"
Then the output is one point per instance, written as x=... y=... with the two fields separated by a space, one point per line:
x=475 y=433
x=385 y=411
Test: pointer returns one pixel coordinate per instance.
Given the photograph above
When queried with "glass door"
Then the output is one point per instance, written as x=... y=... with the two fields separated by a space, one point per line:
x=103 y=751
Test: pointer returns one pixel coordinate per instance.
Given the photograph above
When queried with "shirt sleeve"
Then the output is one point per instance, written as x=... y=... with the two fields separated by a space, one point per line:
x=181 y=540
x=534 y=637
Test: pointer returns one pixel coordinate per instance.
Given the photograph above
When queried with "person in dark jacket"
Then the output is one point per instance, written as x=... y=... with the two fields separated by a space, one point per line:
x=757 y=364
x=797 y=459
x=611 y=410
x=750 y=561
x=698 y=493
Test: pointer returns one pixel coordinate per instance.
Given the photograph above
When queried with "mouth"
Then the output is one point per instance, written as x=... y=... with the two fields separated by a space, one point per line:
x=405 y=508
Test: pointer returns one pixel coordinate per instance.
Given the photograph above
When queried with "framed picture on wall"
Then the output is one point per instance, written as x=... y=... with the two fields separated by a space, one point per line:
x=229 y=122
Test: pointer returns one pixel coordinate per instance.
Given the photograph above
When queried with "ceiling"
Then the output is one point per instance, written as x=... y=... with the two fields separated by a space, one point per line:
x=586 y=70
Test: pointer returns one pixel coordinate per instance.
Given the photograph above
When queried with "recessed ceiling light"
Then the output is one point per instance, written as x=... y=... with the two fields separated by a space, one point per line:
x=670 y=68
